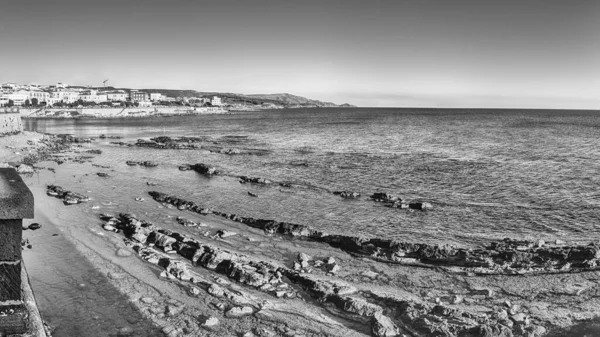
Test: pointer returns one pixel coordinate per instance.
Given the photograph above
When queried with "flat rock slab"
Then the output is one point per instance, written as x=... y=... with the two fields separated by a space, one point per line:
x=16 y=200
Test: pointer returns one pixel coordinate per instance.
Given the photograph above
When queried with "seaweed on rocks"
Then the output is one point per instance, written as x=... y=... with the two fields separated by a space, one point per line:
x=504 y=257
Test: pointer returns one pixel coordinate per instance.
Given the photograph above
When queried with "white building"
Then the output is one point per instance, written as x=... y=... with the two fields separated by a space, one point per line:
x=66 y=96
x=39 y=95
x=9 y=85
x=17 y=98
x=93 y=96
x=155 y=97
x=60 y=85
x=119 y=96
x=216 y=101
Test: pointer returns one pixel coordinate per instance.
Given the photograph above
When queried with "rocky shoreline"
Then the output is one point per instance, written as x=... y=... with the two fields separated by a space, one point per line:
x=334 y=284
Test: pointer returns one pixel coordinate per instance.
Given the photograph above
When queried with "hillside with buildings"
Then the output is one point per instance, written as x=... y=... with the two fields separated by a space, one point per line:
x=62 y=95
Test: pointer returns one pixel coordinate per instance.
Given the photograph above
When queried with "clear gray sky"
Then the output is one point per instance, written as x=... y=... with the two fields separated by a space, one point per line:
x=446 y=53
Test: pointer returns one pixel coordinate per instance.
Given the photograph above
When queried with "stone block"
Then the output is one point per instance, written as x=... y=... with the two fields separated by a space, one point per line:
x=16 y=200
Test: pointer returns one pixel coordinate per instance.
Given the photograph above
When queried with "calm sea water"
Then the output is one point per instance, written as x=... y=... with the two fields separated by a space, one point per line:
x=489 y=173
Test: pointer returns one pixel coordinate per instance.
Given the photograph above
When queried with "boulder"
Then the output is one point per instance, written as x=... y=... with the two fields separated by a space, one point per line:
x=24 y=169
x=239 y=312
x=382 y=326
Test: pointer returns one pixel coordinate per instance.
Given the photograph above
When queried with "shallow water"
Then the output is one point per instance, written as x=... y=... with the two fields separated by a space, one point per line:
x=489 y=173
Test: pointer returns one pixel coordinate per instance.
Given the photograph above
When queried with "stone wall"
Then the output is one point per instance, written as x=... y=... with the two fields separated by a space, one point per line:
x=10 y=122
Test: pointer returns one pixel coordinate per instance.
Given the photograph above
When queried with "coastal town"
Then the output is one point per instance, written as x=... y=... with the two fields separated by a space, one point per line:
x=63 y=95
x=61 y=100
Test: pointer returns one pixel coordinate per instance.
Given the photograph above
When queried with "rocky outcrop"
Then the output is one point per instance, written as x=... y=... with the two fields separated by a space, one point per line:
x=68 y=197
x=66 y=138
x=153 y=143
x=204 y=169
x=258 y=274
x=393 y=201
x=147 y=163
x=501 y=257
x=254 y=180
x=347 y=194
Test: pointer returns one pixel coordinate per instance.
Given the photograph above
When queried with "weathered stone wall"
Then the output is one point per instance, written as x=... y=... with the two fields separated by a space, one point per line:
x=10 y=123
x=16 y=203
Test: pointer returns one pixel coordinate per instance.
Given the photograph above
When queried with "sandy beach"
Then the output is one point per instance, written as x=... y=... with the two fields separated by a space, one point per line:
x=115 y=284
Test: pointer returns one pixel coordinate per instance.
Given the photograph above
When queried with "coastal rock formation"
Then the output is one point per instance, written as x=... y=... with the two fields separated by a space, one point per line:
x=66 y=138
x=254 y=180
x=147 y=163
x=503 y=257
x=347 y=194
x=204 y=169
x=385 y=197
x=68 y=196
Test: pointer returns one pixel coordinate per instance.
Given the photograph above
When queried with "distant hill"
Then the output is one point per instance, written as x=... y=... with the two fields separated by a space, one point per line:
x=286 y=100
x=290 y=99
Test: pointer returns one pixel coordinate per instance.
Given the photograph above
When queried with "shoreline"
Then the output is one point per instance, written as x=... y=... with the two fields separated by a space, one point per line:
x=368 y=284
x=116 y=113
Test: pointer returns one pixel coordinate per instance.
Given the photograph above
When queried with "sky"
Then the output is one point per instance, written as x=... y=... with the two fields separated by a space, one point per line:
x=397 y=53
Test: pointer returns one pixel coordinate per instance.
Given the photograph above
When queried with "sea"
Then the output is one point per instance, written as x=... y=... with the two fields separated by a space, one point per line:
x=488 y=173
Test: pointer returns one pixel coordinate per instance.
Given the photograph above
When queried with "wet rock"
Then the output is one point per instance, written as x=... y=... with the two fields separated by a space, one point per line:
x=254 y=180
x=421 y=206
x=252 y=194
x=68 y=196
x=384 y=197
x=204 y=169
x=34 y=226
x=102 y=174
x=186 y=222
x=347 y=194
x=147 y=163
x=239 y=312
